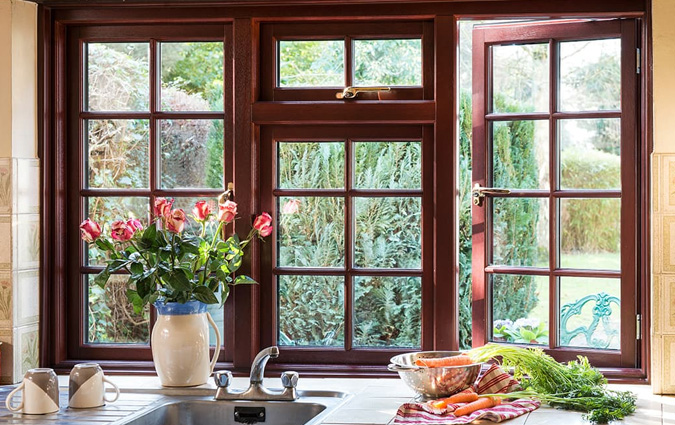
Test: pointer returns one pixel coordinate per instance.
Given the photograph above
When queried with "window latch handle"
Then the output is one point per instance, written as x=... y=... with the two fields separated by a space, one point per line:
x=478 y=193
x=228 y=195
x=351 y=92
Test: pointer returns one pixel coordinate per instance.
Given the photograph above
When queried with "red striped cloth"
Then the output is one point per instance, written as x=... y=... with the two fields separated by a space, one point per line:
x=491 y=381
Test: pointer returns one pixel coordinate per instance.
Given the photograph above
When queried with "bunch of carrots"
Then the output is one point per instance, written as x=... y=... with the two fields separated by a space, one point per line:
x=473 y=400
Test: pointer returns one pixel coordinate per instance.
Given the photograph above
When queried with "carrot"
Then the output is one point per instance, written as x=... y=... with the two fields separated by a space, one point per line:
x=461 y=360
x=463 y=397
x=481 y=403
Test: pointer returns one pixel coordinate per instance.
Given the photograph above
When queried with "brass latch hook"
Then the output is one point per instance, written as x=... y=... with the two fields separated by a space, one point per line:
x=478 y=193
x=228 y=195
x=351 y=92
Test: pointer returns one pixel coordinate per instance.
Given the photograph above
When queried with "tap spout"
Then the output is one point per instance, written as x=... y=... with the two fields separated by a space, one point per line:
x=260 y=361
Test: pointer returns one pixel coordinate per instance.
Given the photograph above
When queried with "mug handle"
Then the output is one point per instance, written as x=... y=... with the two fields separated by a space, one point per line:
x=8 y=402
x=217 y=350
x=112 y=384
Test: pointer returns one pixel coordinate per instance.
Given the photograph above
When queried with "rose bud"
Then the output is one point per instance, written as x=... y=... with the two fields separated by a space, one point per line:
x=90 y=230
x=263 y=224
x=121 y=231
x=134 y=224
x=175 y=222
x=201 y=211
x=162 y=207
x=291 y=207
x=227 y=211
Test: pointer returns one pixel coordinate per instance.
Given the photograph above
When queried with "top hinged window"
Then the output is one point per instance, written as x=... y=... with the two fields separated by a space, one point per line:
x=391 y=60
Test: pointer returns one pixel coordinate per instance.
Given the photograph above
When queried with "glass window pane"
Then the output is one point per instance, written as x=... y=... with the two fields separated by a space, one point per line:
x=311 y=310
x=590 y=153
x=387 y=312
x=117 y=77
x=110 y=316
x=118 y=153
x=311 y=63
x=520 y=154
x=191 y=153
x=388 y=165
x=192 y=76
x=520 y=309
x=388 y=233
x=311 y=165
x=590 y=75
x=520 y=232
x=520 y=78
x=311 y=232
x=396 y=62
x=590 y=233
x=106 y=210
x=590 y=313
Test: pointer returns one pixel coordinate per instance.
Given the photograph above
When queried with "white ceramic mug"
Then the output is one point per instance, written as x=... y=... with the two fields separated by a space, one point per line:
x=87 y=386
x=40 y=393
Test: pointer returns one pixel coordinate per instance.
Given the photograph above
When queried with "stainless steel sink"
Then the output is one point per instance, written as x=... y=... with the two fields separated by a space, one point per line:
x=310 y=409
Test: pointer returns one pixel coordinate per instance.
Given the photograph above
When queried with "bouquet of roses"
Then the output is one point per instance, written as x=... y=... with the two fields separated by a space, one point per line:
x=167 y=264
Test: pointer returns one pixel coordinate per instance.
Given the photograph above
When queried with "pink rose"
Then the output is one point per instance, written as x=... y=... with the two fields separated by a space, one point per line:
x=162 y=207
x=90 y=230
x=121 y=231
x=291 y=207
x=227 y=211
x=175 y=222
x=201 y=211
x=134 y=224
x=263 y=224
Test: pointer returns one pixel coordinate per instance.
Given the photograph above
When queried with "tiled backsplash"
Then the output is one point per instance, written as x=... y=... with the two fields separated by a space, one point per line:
x=663 y=272
x=19 y=266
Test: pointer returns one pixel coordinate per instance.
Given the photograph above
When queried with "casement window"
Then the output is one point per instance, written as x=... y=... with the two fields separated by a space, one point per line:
x=369 y=253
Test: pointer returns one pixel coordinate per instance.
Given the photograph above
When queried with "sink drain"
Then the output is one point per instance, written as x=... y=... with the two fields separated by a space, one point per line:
x=249 y=415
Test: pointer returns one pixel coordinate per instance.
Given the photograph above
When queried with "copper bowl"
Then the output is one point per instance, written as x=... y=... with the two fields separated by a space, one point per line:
x=434 y=382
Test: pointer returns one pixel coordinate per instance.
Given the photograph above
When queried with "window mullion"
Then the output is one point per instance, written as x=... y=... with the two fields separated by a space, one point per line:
x=553 y=201
x=349 y=238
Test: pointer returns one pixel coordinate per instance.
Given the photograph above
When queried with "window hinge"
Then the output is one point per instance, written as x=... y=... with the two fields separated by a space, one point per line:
x=638 y=326
x=638 y=59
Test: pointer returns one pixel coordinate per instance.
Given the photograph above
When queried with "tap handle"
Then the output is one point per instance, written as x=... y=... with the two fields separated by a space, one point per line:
x=223 y=378
x=289 y=379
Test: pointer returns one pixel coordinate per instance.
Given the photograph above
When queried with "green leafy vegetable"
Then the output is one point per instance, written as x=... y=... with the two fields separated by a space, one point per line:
x=572 y=386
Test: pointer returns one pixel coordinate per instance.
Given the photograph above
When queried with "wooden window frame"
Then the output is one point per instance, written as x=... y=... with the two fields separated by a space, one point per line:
x=57 y=20
x=553 y=33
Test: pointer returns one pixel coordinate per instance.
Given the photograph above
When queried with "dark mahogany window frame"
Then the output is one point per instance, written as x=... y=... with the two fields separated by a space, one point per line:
x=252 y=112
x=554 y=33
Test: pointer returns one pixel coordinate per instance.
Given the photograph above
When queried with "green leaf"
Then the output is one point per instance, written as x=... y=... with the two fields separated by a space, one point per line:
x=149 y=234
x=152 y=298
x=144 y=287
x=243 y=279
x=178 y=281
x=135 y=300
x=136 y=268
x=105 y=244
x=224 y=294
x=205 y=295
x=116 y=265
x=102 y=278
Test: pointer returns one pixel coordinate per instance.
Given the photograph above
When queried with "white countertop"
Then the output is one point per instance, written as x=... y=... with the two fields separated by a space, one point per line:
x=375 y=402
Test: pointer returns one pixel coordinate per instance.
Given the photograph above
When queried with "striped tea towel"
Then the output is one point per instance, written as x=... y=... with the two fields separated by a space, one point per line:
x=492 y=381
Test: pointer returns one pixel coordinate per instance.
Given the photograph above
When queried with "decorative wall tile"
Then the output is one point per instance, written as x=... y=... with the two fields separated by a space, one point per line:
x=667 y=183
x=27 y=241
x=5 y=300
x=27 y=186
x=667 y=239
x=666 y=302
x=26 y=297
x=656 y=182
x=668 y=374
x=28 y=343
x=5 y=185
x=7 y=355
x=5 y=242
x=656 y=306
x=656 y=358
